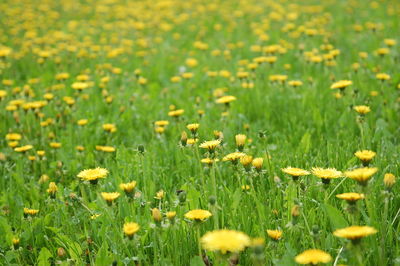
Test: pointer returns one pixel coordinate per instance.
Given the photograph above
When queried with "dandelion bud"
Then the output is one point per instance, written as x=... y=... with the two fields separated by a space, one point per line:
x=182 y=196
x=52 y=190
x=141 y=148
x=218 y=135
x=295 y=211
x=15 y=242
x=183 y=138
x=61 y=252
x=212 y=200
x=389 y=180
x=171 y=215
x=246 y=161
x=258 y=163
x=156 y=214
x=193 y=128
x=240 y=141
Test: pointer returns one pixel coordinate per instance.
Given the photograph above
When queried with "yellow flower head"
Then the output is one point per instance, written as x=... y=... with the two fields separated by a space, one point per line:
x=23 y=148
x=193 y=127
x=130 y=229
x=110 y=128
x=156 y=214
x=226 y=99
x=326 y=173
x=246 y=160
x=209 y=161
x=161 y=123
x=160 y=194
x=30 y=211
x=128 y=187
x=240 y=140
x=341 y=84
x=225 y=241
x=355 y=232
x=365 y=156
x=110 y=196
x=361 y=175
x=52 y=188
x=389 y=180
x=176 y=113
x=82 y=122
x=313 y=256
x=382 y=76
x=55 y=145
x=350 y=196
x=296 y=172
x=93 y=174
x=210 y=145
x=198 y=215
x=275 y=234
x=258 y=163
x=13 y=136
x=362 y=109
x=233 y=157
x=171 y=215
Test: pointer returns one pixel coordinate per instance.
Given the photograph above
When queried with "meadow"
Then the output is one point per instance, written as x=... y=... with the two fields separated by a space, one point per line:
x=172 y=132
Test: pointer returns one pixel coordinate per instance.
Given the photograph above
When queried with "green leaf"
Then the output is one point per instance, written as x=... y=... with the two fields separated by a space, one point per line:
x=44 y=256
x=103 y=258
x=236 y=199
x=335 y=217
x=196 y=261
x=305 y=143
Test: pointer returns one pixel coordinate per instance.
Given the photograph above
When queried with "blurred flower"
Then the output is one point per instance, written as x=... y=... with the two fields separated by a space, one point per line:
x=130 y=229
x=198 y=215
x=313 y=257
x=225 y=241
x=350 y=197
x=361 y=175
x=355 y=233
x=362 y=109
x=295 y=172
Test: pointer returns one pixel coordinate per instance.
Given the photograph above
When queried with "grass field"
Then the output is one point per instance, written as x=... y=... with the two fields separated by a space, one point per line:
x=217 y=132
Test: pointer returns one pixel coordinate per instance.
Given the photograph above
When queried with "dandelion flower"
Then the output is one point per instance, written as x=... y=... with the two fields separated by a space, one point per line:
x=193 y=128
x=361 y=175
x=355 y=233
x=225 y=241
x=23 y=148
x=130 y=229
x=365 y=156
x=93 y=175
x=258 y=163
x=326 y=174
x=31 y=212
x=295 y=172
x=52 y=190
x=233 y=157
x=313 y=256
x=226 y=99
x=362 y=109
x=350 y=197
x=389 y=180
x=109 y=197
x=198 y=215
x=275 y=234
x=176 y=113
x=341 y=84
x=128 y=187
x=210 y=145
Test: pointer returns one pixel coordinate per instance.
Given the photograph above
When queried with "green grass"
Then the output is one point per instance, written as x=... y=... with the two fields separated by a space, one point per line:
x=301 y=127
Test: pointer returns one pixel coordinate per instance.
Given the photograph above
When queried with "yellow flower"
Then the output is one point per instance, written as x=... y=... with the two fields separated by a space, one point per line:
x=209 y=161
x=110 y=128
x=23 y=148
x=361 y=175
x=240 y=141
x=192 y=141
x=128 y=187
x=105 y=148
x=55 y=145
x=198 y=215
x=389 y=180
x=160 y=194
x=350 y=197
x=341 y=84
x=225 y=241
x=171 y=215
x=156 y=214
x=313 y=256
x=193 y=127
x=161 y=123
x=362 y=109
x=355 y=233
x=109 y=197
x=93 y=174
x=13 y=136
x=275 y=234
x=52 y=190
x=130 y=229
x=31 y=212
x=365 y=156
x=210 y=145
x=258 y=163
x=295 y=172
x=82 y=122
x=233 y=157
x=246 y=160
x=226 y=99
x=382 y=76
x=326 y=174
x=176 y=113
x=295 y=83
